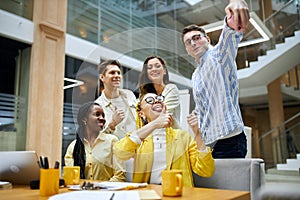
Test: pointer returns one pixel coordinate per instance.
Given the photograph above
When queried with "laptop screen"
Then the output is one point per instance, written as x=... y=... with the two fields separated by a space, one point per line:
x=19 y=167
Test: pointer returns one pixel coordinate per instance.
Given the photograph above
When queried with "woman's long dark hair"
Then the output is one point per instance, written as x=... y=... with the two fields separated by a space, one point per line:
x=79 y=150
x=145 y=84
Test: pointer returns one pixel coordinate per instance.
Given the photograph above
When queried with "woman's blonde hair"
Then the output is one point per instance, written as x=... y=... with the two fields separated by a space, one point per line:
x=138 y=119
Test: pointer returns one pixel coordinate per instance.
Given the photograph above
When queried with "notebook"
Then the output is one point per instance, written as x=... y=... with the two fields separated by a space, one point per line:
x=19 y=167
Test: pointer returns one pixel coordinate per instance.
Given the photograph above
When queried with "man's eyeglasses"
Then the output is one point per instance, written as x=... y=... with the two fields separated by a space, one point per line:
x=195 y=38
x=152 y=100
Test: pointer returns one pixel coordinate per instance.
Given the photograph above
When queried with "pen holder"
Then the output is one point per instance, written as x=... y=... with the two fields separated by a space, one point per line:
x=49 y=182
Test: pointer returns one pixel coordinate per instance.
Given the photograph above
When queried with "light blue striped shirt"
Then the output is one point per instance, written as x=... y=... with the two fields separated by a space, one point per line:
x=215 y=89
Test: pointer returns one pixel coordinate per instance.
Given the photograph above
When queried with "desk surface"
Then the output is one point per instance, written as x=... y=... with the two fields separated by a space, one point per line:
x=25 y=193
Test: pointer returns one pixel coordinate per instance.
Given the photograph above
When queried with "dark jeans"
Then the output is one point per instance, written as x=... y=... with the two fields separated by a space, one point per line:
x=233 y=147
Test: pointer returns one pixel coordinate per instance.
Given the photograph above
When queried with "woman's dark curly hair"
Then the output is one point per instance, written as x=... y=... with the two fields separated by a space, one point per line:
x=144 y=83
x=79 y=150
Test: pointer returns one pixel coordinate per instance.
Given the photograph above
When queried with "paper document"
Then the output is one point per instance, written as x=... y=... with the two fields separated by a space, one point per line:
x=149 y=195
x=119 y=185
x=96 y=195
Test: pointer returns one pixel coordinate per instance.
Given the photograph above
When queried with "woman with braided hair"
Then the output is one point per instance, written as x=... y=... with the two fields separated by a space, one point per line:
x=93 y=149
x=156 y=146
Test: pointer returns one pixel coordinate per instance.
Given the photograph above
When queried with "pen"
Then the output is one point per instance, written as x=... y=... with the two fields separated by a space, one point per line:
x=56 y=165
x=46 y=163
x=130 y=187
x=112 y=196
x=41 y=162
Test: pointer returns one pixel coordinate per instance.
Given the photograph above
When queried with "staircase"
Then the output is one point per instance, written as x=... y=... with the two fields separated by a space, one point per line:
x=288 y=172
x=270 y=66
x=291 y=164
x=290 y=91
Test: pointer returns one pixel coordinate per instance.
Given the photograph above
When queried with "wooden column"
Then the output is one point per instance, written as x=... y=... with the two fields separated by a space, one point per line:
x=276 y=114
x=46 y=80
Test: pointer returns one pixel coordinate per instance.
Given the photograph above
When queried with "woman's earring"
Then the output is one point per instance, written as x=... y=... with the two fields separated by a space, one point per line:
x=84 y=123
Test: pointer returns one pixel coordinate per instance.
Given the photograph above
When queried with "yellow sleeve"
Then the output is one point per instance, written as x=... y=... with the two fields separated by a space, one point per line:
x=69 y=160
x=119 y=167
x=125 y=148
x=202 y=162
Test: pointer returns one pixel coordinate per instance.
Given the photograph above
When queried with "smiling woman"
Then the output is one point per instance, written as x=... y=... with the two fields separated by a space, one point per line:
x=92 y=149
x=154 y=78
x=156 y=146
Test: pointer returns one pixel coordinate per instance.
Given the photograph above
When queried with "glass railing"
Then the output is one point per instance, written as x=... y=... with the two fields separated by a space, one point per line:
x=282 y=23
x=281 y=142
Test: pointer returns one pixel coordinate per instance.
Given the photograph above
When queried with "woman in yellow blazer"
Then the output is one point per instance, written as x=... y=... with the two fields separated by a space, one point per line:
x=156 y=146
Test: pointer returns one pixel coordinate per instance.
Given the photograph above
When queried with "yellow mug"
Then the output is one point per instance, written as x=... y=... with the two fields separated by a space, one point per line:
x=71 y=175
x=172 y=182
x=49 y=182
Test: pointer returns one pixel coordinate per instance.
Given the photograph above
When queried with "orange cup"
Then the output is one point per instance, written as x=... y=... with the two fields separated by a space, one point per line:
x=71 y=175
x=172 y=183
x=49 y=182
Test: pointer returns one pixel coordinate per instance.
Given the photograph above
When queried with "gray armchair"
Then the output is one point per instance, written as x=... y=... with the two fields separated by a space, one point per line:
x=235 y=174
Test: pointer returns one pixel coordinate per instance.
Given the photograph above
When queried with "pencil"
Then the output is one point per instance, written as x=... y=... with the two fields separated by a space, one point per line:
x=112 y=196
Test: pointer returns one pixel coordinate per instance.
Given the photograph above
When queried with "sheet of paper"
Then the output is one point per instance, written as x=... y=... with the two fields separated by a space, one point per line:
x=96 y=195
x=119 y=185
x=5 y=185
x=149 y=195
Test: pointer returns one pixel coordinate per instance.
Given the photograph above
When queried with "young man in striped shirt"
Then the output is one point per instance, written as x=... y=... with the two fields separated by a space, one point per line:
x=215 y=83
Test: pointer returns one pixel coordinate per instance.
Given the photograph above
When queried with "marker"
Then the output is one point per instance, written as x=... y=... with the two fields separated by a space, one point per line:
x=38 y=162
x=56 y=165
x=130 y=187
x=112 y=196
x=41 y=162
x=46 y=163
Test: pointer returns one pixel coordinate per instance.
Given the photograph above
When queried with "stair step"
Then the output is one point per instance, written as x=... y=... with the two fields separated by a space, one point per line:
x=275 y=171
x=293 y=163
x=273 y=178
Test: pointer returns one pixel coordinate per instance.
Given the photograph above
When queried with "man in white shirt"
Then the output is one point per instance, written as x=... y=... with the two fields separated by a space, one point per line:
x=118 y=104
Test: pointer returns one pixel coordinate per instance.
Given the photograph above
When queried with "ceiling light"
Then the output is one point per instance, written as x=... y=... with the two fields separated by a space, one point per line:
x=74 y=81
x=256 y=23
x=192 y=2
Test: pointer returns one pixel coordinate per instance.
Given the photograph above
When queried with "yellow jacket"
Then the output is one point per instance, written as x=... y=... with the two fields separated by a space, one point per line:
x=181 y=153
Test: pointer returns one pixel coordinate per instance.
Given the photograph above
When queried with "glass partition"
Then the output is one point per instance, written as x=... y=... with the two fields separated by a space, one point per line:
x=14 y=76
x=23 y=8
x=134 y=28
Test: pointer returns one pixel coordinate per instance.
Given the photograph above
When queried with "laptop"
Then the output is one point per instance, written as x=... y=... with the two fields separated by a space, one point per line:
x=19 y=167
